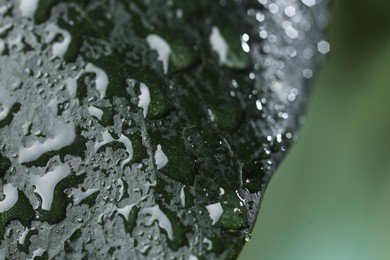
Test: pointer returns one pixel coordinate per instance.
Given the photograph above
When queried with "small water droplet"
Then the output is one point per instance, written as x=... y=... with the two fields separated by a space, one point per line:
x=248 y=237
x=323 y=47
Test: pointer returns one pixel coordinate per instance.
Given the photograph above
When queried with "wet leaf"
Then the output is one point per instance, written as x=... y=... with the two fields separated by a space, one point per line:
x=146 y=129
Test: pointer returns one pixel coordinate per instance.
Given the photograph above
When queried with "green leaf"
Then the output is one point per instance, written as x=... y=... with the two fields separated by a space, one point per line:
x=139 y=129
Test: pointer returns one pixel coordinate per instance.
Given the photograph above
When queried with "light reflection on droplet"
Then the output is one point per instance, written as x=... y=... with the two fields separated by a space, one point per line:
x=260 y=17
x=305 y=25
x=245 y=37
x=259 y=105
x=308 y=73
x=308 y=53
x=245 y=46
x=289 y=11
x=323 y=47
x=235 y=84
x=272 y=38
x=251 y=12
x=263 y=34
x=273 y=8
x=309 y=3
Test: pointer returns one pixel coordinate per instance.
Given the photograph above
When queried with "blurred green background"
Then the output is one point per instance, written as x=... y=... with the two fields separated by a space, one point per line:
x=330 y=199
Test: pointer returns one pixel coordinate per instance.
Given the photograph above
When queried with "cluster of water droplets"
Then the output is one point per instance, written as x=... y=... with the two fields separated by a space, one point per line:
x=85 y=170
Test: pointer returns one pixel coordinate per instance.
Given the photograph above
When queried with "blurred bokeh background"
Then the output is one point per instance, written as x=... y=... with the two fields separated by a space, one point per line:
x=330 y=199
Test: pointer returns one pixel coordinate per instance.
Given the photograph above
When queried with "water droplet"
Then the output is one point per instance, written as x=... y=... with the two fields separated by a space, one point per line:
x=308 y=73
x=28 y=7
x=162 y=47
x=248 y=237
x=10 y=197
x=323 y=47
x=46 y=184
x=160 y=158
x=289 y=11
x=215 y=210
x=259 y=106
x=219 y=44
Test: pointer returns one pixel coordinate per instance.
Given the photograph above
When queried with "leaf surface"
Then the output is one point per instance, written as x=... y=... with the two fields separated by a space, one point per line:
x=146 y=129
